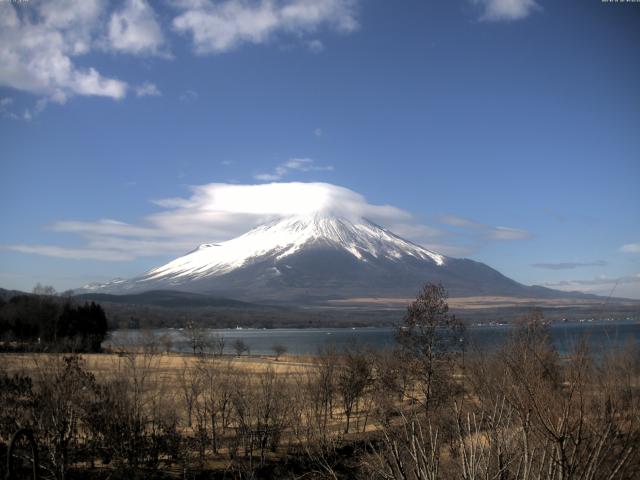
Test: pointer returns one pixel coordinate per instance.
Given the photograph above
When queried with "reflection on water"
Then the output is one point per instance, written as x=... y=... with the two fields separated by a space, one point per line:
x=598 y=335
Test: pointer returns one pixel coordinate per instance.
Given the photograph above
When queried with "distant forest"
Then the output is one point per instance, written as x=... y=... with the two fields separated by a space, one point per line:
x=44 y=322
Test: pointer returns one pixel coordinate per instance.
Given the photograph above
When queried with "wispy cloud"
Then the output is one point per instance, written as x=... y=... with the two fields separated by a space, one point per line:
x=625 y=286
x=292 y=165
x=220 y=26
x=505 y=10
x=84 y=253
x=148 y=89
x=630 y=248
x=318 y=132
x=6 y=108
x=188 y=96
x=569 y=265
x=488 y=232
x=315 y=46
x=597 y=281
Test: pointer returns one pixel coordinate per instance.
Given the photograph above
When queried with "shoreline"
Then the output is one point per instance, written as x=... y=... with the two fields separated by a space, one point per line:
x=553 y=322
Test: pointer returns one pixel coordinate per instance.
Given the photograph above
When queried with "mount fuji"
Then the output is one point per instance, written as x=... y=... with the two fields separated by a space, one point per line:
x=319 y=257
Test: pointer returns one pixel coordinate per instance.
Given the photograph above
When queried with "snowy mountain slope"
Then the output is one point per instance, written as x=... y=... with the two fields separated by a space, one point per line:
x=318 y=257
x=280 y=239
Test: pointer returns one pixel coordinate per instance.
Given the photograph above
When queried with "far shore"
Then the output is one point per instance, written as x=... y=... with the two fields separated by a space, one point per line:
x=587 y=319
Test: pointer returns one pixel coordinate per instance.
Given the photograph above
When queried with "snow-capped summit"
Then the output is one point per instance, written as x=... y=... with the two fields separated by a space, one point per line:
x=317 y=257
x=280 y=239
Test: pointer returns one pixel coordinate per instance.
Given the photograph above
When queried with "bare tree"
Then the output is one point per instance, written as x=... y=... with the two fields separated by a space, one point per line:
x=195 y=336
x=322 y=387
x=167 y=342
x=407 y=452
x=353 y=377
x=279 y=350
x=216 y=381
x=431 y=337
x=539 y=417
x=130 y=400
x=217 y=344
x=44 y=290
x=240 y=347
x=262 y=412
x=63 y=389
x=190 y=387
x=391 y=381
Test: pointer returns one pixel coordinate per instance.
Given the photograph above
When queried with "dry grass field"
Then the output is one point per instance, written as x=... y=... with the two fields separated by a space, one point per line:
x=168 y=365
x=477 y=302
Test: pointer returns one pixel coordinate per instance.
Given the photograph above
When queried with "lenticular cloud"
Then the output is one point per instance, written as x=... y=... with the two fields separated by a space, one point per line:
x=213 y=213
x=281 y=200
x=217 y=212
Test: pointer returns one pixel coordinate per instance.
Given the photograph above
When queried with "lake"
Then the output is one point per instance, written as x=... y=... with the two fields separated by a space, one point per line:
x=303 y=341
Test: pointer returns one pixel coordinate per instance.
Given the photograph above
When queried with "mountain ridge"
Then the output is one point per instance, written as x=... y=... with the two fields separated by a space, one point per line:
x=319 y=257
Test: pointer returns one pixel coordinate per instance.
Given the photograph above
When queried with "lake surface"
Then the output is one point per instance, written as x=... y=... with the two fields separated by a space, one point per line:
x=600 y=335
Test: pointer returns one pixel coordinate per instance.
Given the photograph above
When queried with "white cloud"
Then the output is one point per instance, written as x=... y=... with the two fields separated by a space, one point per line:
x=220 y=26
x=5 y=108
x=135 y=29
x=506 y=10
x=147 y=89
x=30 y=113
x=318 y=132
x=487 y=231
x=459 y=222
x=294 y=164
x=280 y=199
x=212 y=213
x=36 y=50
x=315 y=46
x=507 y=233
x=188 y=96
x=40 y=43
x=103 y=227
x=630 y=248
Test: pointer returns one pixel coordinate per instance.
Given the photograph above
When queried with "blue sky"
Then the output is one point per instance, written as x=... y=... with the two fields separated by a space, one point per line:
x=500 y=130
